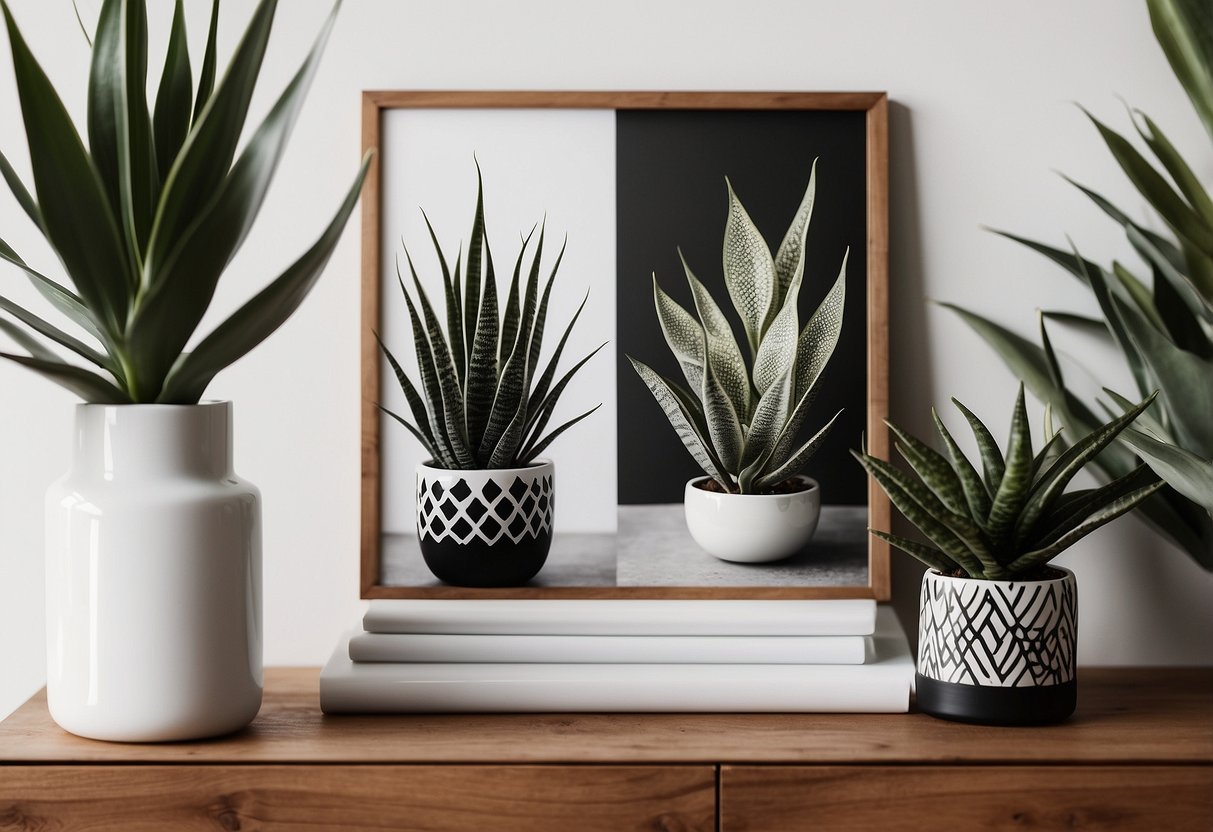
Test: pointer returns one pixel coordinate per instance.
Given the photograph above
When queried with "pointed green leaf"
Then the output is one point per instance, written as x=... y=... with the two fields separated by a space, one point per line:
x=60 y=297
x=174 y=97
x=1182 y=28
x=535 y=342
x=88 y=385
x=538 y=424
x=1188 y=182
x=976 y=495
x=1071 y=510
x=777 y=350
x=429 y=448
x=992 y=463
x=55 y=334
x=539 y=393
x=28 y=342
x=472 y=301
x=789 y=259
x=513 y=308
x=749 y=270
x=727 y=362
x=683 y=335
x=1183 y=470
x=1179 y=283
x=206 y=78
x=820 y=335
x=262 y=315
x=796 y=461
x=1063 y=258
x=929 y=555
x=543 y=443
x=1137 y=291
x=724 y=425
x=415 y=402
x=935 y=472
x=1013 y=491
x=22 y=194
x=681 y=421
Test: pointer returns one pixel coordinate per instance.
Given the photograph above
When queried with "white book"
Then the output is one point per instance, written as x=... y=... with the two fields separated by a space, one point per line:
x=882 y=685
x=623 y=617
x=437 y=647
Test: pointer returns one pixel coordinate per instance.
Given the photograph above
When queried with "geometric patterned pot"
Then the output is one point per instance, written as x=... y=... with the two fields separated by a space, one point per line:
x=998 y=652
x=488 y=527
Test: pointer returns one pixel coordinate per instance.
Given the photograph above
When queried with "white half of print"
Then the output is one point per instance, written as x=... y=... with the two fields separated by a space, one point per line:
x=556 y=166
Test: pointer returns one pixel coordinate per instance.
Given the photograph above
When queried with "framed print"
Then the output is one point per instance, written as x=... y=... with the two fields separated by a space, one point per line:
x=628 y=191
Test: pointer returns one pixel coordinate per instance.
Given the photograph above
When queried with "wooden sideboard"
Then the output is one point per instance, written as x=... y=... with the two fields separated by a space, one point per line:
x=1137 y=755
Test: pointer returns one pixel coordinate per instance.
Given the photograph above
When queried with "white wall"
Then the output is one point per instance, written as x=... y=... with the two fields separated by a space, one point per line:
x=981 y=114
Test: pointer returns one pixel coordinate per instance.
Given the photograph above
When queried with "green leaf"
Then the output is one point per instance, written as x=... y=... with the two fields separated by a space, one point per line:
x=206 y=78
x=992 y=463
x=1063 y=258
x=480 y=320
x=1178 y=283
x=429 y=448
x=535 y=342
x=1188 y=182
x=510 y=322
x=174 y=97
x=749 y=270
x=429 y=381
x=22 y=194
x=542 y=445
x=415 y=402
x=185 y=280
x=536 y=426
x=78 y=219
x=929 y=555
x=797 y=460
x=934 y=471
x=1012 y=492
x=1101 y=288
x=777 y=348
x=976 y=495
x=770 y=416
x=1070 y=510
x=724 y=426
x=683 y=335
x=1183 y=470
x=60 y=297
x=88 y=385
x=681 y=420
x=539 y=393
x=28 y=342
x=820 y=335
x=789 y=259
x=1145 y=300
x=727 y=362
x=1038 y=557
x=1183 y=30
x=1055 y=374
x=454 y=308
x=1177 y=213
x=1172 y=251
x=57 y=335
x=262 y=315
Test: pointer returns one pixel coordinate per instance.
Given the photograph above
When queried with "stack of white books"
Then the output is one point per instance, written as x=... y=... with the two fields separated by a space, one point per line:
x=440 y=656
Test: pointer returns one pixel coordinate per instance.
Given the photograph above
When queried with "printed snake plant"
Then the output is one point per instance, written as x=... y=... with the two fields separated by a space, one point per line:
x=739 y=420
x=146 y=219
x=1164 y=329
x=481 y=404
x=1013 y=518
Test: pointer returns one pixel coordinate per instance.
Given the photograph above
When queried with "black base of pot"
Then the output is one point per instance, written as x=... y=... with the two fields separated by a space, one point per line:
x=996 y=706
x=477 y=564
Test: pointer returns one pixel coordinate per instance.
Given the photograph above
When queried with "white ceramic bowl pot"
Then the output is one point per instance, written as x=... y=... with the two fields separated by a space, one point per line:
x=998 y=652
x=486 y=528
x=752 y=528
x=153 y=577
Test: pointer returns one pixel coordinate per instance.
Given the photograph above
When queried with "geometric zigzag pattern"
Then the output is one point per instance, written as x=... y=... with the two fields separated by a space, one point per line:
x=998 y=633
x=510 y=507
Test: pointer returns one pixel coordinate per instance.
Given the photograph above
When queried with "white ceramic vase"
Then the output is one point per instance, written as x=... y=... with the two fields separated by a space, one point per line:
x=153 y=577
x=752 y=528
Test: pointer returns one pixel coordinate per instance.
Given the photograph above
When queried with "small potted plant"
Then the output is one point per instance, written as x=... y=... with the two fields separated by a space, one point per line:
x=741 y=420
x=485 y=498
x=153 y=549
x=998 y=625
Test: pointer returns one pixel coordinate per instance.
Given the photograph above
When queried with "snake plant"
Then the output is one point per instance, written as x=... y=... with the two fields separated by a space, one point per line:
x=741 y=419
x=1164 y=326
x=481 y=404
x=1013 y=518
x=147 y=217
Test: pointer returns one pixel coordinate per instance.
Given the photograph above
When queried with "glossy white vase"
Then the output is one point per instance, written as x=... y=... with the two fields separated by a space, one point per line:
x=153 y=577
x=752 y=528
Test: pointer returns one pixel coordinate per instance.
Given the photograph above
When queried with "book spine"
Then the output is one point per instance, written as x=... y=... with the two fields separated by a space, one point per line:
x=624 y=617
x=390 y=647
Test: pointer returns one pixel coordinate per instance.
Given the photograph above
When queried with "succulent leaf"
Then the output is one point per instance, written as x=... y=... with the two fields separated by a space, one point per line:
x=789 y=259
x=1013 y=491
x=681 y=420
x=727 y=363
x=682 y=333
x=992 y=463
x=930 y=555
x=976 y=495
x=820 y=335
x=749 y=270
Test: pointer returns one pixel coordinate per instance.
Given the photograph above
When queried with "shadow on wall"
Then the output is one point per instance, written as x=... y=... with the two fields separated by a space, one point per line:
x=910 y=393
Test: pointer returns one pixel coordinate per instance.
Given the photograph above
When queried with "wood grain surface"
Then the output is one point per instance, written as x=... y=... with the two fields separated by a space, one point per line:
x=1124 y=717
x=891 y=799
x=316 y=798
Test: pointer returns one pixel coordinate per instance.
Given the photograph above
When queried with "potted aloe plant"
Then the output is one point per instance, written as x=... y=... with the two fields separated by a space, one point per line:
x=153 y=543
x=998 y=625
x=741 y=420
x=485 y=498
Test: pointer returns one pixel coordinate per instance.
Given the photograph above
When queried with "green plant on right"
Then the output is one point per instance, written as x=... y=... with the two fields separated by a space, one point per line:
x=1164 y=326
x=741 y=421
x=1013 y=518
x=482 y=402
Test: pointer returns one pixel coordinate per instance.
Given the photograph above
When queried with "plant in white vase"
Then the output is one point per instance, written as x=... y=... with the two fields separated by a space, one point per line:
x=153 y=543
x=741 y=420
x=485 y=499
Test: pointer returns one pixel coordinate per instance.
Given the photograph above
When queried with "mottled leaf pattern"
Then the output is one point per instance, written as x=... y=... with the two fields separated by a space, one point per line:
x=727 y=362
x=789 y=259
x=749 y=270
x=682 y=333
x=681 y=421
x=820 y=335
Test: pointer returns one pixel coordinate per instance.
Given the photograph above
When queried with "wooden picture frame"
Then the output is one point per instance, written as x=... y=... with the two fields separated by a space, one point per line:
x=872 y=107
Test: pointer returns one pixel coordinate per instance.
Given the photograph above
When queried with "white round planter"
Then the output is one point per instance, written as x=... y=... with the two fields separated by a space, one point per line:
x=999 y=652
x=153 y=577
x=752 y=528
x=486 y=528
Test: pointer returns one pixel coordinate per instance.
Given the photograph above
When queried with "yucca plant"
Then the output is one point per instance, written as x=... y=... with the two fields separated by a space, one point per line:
x=481 y=404
x=146 y=218
x=1013 y=518
x=1163 y=326
x=741 y=419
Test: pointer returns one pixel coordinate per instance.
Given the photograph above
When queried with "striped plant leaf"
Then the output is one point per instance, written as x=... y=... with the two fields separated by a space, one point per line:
x=727 y=362
x=1071 y=510
x=682 y=422
x=536 y=426
x=789 y=259
x=934 y=471
x=425 y=443
x=513 y=307
x=1013 y=491
x=777 y=351
x=976 y=495
x=539 y=393
x=724 y=426
x=817 y=340
x=796 y=460
x=749 y=270
x=415 y=402
x=683 y=335
x=930 y=555
x=535 y=450
x=454 y=309
x=535 y=341
x=992 y=463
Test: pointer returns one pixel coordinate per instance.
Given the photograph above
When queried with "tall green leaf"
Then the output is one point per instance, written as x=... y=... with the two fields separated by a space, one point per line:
x=1184 y=29
x=789 y=259
x=749 y=270
x=174 y=97
x=682 y=422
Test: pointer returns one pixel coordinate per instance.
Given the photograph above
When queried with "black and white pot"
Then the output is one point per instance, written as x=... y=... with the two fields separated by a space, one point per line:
x=998 y=652
x=485 y=528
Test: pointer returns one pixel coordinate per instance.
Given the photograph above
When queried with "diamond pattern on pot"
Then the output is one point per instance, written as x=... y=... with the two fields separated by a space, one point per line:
x=998 y=634
x=514 y=508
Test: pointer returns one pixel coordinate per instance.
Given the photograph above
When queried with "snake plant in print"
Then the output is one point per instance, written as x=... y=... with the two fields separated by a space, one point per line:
x=1163 y=326
x=147 y=217
x=1016 y=515
x=482 y=402
x=741 y=410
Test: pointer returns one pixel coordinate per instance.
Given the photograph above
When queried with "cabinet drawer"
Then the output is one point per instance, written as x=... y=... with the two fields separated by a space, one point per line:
x=357 y=797
x=885 y=798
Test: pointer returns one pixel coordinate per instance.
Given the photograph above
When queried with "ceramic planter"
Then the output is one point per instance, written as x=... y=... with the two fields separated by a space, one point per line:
x=485 y=528
x=998 y=652
x=752 y=528
x=153 y=577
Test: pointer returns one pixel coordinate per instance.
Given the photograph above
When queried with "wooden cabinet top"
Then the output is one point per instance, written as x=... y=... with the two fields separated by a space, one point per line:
x=1125 y=716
